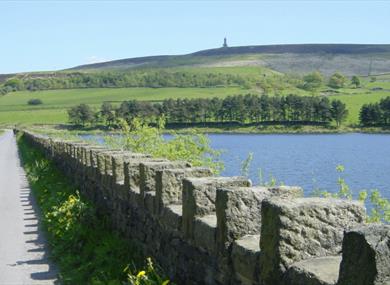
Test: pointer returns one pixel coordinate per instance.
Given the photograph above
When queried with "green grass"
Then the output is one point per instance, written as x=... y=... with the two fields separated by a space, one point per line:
x=14 y=108
x=355 y=102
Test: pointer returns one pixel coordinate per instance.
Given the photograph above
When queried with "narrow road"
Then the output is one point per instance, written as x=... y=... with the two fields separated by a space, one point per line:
x=23 y=250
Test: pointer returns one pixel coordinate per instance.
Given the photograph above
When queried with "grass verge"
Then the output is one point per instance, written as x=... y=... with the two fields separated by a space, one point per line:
x=82 y=244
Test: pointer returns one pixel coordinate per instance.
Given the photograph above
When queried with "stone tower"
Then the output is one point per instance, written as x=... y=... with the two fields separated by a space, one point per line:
x=224 y=43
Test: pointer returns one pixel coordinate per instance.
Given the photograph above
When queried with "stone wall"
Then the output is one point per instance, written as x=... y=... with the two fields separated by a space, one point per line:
x=204 y=229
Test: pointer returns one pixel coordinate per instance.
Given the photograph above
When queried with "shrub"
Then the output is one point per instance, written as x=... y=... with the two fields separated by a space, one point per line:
x=192 y=147
x=34 y=102
x=337 y=80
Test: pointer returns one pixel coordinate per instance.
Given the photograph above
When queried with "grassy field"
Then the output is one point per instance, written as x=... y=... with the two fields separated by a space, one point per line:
x=14 y=108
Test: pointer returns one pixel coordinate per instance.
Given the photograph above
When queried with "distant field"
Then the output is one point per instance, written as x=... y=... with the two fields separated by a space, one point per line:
x=14 y=107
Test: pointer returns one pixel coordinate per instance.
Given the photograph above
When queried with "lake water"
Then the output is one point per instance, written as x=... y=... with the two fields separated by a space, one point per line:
x=310 y=161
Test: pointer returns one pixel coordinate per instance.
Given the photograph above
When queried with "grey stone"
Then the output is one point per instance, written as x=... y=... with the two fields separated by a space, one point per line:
x=298 y=229
x=169 y=184
x=148 y=172
x=314 y=271
x=171 y=217
x=205 y=232
x=245 y=259
x=150 y=201
x=239 y=210
x=132 y=171
x=199 y=196
x=366 y=256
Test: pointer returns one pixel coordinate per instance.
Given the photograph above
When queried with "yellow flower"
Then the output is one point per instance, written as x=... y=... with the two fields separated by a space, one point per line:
x=165 y=282
x=141 y=273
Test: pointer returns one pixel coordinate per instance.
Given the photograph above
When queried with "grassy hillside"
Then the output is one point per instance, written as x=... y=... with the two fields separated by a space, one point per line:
x=275 y=70
x=327 y=58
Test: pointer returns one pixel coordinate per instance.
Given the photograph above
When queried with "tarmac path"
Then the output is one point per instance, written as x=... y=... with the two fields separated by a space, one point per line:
x=23 y=250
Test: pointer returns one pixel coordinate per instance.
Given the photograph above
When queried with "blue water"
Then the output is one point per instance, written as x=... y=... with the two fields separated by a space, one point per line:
x=310 y=161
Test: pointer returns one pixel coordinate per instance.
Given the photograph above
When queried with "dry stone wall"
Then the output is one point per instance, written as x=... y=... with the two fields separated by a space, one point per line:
x=204 y=229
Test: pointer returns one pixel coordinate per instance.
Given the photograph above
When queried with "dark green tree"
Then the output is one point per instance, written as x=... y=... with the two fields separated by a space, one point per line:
x=81 y=114
x=107 y=112
x=339 y=112
x=355 y=81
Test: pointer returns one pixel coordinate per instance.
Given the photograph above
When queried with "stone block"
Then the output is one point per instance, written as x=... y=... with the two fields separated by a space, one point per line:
x=150 y=201
x=245 y=259
x=169 y=184
x=366 y=256
x=171 y=217
x=239 y=210
x=205 y=230
x=132 y=171
x=199 y=196
x=314 y=271
x=298 y=229
x=148 y=172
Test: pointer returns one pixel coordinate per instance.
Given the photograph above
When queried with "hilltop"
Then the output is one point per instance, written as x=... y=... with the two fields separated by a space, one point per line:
x=350 y=59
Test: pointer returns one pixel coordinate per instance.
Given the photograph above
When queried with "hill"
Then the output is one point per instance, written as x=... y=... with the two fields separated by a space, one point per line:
x=350 y=59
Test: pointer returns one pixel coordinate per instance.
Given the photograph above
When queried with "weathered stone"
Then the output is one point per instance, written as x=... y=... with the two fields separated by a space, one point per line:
x=118 y=160
x=171 y=217
x=150 y=201
x=205 y=232
x=298 y=229
x=239 y=210
x=132 y=171
x=148 y=172
x=314 y=271
x=245 y=259
x=169 y=184
x=199 y=196
x=366 y=256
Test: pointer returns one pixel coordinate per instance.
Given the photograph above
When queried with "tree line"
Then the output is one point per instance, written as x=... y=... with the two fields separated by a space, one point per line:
x=376 y=114
x=152 y=79
x=243 y=109
x=157 y=78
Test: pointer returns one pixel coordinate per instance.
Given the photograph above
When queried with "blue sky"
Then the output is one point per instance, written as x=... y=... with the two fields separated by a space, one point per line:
x=49 y=35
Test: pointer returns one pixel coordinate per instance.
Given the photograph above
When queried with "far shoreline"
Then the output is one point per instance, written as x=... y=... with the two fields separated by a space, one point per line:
x=298 y=130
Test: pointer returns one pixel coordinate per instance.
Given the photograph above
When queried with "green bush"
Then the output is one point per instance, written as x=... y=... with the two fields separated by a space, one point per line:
x=34 y=102
x=193 y=147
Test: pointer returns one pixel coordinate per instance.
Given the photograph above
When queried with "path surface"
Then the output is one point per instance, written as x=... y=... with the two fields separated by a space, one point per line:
x=23 y=253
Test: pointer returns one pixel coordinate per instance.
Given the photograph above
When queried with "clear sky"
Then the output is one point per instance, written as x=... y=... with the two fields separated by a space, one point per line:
x=49 y=35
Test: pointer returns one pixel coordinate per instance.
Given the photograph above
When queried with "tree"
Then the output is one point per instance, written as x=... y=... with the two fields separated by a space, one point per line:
x=81 y=114
x=370 y=114
x=337 y=80
x=339 y=111
x=312 y=81
x=108 y=113
x=355 y=81
x=385 y=107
